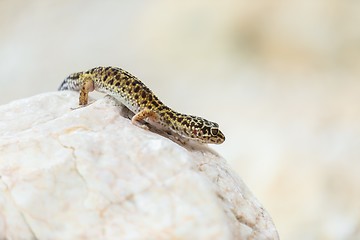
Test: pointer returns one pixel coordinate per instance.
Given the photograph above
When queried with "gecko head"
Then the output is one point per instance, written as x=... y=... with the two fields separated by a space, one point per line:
x=205 y=131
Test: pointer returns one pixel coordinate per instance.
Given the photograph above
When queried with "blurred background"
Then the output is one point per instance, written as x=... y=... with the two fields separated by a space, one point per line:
x=280 y=77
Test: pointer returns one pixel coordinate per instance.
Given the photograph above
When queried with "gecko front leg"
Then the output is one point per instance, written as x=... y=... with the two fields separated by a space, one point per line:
x=142 y=115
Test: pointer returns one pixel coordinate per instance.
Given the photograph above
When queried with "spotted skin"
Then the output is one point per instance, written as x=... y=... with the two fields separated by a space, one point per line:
x=140 y=100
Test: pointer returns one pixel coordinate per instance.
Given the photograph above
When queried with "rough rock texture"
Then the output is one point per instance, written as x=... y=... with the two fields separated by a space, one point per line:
x=90 y=174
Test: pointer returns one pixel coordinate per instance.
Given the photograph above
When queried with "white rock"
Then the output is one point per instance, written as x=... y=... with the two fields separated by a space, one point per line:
x=90 y=174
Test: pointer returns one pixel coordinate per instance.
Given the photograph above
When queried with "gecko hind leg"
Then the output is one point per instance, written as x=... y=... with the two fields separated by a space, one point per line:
x=87 y=86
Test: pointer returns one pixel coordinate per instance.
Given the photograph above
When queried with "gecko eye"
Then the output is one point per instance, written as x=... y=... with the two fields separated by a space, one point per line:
x=214 y=131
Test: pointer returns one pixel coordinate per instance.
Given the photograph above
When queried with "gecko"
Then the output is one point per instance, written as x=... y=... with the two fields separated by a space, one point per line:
x=142 y=102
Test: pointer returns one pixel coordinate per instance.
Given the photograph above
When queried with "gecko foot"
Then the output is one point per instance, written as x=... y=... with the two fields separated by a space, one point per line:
x=78 y=107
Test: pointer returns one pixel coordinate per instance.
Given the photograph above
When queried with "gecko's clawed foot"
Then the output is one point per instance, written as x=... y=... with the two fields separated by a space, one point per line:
x=143 y=126
x=80 y=106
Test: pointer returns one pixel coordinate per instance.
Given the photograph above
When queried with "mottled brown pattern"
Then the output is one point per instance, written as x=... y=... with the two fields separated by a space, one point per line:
x=142 y=102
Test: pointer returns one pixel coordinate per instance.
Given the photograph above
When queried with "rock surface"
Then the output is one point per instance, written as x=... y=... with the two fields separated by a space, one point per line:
x=90 y=174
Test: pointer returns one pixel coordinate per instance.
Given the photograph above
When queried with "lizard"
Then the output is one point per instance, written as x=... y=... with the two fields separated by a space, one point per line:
x=142 y=102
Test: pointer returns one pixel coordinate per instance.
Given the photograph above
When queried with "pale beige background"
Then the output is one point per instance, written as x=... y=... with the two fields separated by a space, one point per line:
x=281 y=77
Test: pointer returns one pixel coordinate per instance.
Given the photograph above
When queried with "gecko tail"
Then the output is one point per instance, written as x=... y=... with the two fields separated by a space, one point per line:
x=63 y=86
x=72 y=82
